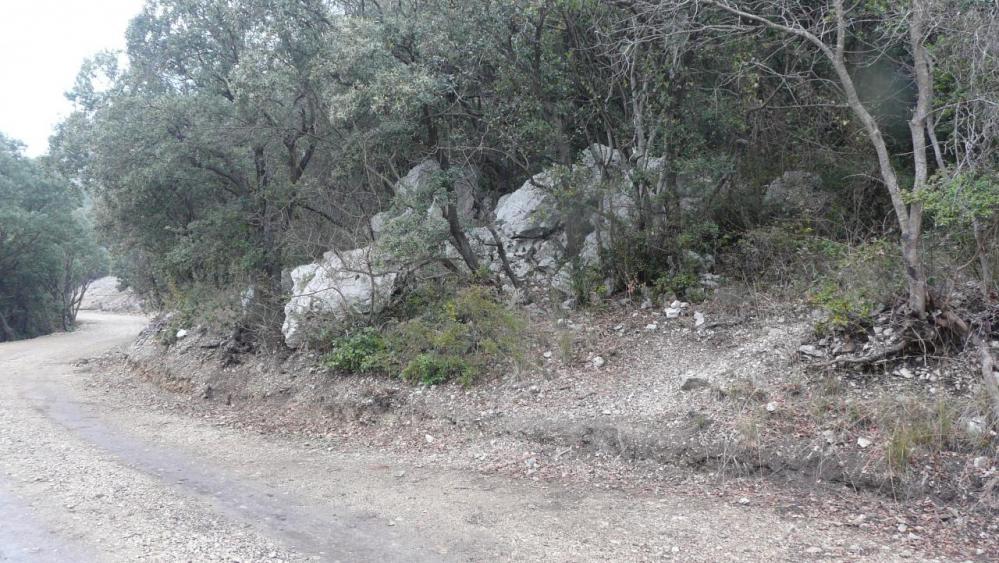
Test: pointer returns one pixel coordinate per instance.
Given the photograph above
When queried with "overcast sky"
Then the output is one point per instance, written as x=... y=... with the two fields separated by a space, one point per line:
x=42 y=44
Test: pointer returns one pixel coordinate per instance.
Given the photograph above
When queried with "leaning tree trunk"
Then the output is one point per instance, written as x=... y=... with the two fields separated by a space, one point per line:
x=458 y=237
x=8 y=333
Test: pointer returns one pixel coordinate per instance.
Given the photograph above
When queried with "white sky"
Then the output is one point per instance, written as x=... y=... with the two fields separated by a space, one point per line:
x=42 y=44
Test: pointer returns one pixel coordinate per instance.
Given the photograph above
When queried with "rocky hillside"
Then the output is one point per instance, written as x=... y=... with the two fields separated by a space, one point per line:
x=104 y=295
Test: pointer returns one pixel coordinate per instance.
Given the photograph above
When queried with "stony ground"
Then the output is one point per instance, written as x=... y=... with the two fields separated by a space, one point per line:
x=97 y=467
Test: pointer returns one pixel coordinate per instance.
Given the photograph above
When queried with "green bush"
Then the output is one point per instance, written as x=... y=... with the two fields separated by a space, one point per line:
x=457 y=338
x=681 y=284
x=846 y=312
x=200 y=305
x=586 y=283
x=866 y=275
x=784 y=257
x=461 y=338
x=363 y=351
x=433 y=369
x=666 y=258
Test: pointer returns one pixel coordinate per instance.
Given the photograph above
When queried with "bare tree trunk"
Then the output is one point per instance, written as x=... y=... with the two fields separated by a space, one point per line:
x=77 y=300
x=984 y=260
x=458 y=236
x=504 y=260
x=269 y=300
x=450 y=212
x=918 y=125
x=8 y=333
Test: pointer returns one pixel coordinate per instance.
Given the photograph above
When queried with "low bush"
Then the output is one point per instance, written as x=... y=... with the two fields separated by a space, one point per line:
x=435 y=369
x=867 y=277
x=845 y=312
x=782 y=257
x=200 y=305
x=667 y=259
x=462 y=337
x=362 y=351
x=847 y=282
x=457 y=338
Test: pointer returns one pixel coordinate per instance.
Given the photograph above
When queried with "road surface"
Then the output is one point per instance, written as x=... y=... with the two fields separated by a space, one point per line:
x=82 y=479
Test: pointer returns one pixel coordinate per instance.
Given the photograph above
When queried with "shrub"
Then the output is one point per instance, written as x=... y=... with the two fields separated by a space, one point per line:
x=456 y=338
x=845 y=312
x=363 y=351
x=683 y=285
x=585 y=282
x=866 y=275
x=461 y=338
x=785 y=257
x=200 y=304
x=434 y=369
x=666 y=258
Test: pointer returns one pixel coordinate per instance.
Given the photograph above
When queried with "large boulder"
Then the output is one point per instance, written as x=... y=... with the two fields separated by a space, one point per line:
x=418 y=178
x=420 y=182
x=545 y=239
x=530 y=212
x=335 y=288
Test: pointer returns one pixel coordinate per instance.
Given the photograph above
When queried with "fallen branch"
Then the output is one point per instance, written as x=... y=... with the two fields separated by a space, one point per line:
x=867 y=359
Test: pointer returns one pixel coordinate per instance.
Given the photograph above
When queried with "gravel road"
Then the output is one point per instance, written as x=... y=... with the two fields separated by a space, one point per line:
x=83 y=478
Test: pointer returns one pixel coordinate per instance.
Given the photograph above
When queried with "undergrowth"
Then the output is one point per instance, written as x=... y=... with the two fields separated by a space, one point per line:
x=905 y=428
x=457 y=338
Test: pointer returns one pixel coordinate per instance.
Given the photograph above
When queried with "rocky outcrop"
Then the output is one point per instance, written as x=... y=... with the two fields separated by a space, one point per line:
x=103 y=295
x=530 y=212
x=543 y=237
x=546 y=238
x=335 y=288
x=343 y=284
x=421 y=182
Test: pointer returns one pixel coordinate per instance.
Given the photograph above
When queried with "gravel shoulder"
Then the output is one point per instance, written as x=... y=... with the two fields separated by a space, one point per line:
x=110 y=477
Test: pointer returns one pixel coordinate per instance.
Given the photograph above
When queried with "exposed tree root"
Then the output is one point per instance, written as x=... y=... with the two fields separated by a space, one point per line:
x=947 y=330
x=876 y=357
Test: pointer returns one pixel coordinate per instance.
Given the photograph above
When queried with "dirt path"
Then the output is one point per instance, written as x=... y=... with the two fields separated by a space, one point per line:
x=85 y=479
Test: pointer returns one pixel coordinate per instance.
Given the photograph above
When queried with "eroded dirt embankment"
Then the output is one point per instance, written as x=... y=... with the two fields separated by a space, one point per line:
x=732 y=400
x=123 y=471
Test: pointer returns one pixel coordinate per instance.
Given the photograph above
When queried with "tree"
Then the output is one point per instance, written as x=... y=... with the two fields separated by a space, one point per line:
x=48 y=254
x=842 y=36
x=965 y=190
x=202 y=150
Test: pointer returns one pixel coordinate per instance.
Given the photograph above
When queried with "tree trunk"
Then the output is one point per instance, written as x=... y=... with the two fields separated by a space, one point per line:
x=984 y=259
x=8 y=333
x=458 y=237
x=912 y=254
x=450 y=212
x=910 y=217
x=269 y=301
x=912 y=240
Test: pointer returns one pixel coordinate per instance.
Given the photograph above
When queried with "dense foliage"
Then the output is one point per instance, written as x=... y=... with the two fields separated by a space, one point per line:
x=246 y=136
x=48 y=251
